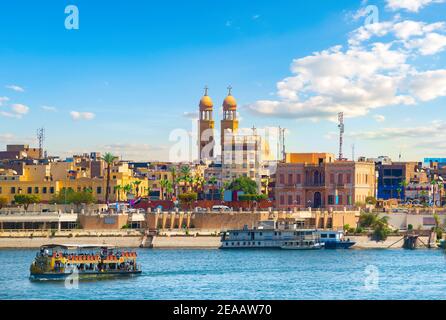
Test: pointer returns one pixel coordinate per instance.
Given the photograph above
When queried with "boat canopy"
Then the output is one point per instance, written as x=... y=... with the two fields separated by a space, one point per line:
x=75 y=246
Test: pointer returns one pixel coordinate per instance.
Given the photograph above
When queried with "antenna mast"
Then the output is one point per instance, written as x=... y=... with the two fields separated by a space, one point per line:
x=341 y=133
x=41 y=139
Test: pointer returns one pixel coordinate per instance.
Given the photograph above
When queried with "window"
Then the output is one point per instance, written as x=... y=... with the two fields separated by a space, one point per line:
x=51 y=189
x=282 y=199
x=98 y=190
x=298 y=199
x=331 y=199
x=30 y=190
x=12 y=190
x=290 y=199
x=298 y=181
x=331 y=178
x=44 y=190
x=290 y=178
x=36 y=189
x=340 y=178
x=281 y=179
x=340 y=199
x=349 y=178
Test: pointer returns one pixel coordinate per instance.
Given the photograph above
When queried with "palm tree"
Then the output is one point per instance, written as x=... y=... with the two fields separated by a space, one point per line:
x=137 y=183
x=109 y=159
x=440 y=189
x=164 y=183
x=169 y=190
x=127 y=189
x=186 y=176
x=173 y=171
x=433 y=184
x=404 y=184
x=118 y=189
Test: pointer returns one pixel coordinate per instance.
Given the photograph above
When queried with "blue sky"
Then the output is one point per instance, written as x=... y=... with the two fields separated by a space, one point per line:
x=134 y=68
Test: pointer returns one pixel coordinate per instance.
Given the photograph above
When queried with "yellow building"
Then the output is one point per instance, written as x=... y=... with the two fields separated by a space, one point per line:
x=47 y=180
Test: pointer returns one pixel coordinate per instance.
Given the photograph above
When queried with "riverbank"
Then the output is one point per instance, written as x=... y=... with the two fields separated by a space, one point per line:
x=172 y=241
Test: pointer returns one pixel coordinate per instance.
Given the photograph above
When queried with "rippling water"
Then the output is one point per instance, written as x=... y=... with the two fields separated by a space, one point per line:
x=269 y=274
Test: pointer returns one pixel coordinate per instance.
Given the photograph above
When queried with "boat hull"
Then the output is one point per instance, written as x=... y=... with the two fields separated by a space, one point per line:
x=339 y=244
x=82 y=275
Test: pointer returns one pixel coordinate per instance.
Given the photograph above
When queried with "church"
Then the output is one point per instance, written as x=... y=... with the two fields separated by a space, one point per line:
x=240 y=153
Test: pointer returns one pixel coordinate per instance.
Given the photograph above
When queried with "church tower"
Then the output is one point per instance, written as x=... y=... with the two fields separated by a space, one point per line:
x=206 y=127
x=229 y=122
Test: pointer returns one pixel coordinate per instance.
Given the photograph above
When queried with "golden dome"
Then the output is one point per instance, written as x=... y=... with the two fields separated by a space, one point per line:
x=230 y=103
x=206 y=103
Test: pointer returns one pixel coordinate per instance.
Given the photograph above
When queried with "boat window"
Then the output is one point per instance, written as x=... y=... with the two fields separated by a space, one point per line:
x=332 y=235
x=323 y=235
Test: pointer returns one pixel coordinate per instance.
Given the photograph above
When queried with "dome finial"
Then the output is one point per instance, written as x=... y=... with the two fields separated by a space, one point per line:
x=206 y=88
x=229 y=90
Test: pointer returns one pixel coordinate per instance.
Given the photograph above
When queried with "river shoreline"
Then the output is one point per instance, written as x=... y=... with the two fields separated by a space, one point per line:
x=170 y=242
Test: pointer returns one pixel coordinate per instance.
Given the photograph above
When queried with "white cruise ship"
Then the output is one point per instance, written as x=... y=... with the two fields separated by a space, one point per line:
x=269 y=235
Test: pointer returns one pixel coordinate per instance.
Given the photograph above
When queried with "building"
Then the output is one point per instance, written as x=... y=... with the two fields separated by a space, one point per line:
x=20 y=151
x=51 y=178
x=317 y=180
x=393 y=178
x=206 y=127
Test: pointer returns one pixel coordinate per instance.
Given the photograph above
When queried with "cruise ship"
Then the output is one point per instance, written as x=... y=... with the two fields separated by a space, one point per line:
x=271 y=234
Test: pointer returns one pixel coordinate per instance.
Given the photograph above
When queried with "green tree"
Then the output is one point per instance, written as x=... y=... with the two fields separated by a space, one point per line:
x=379 y=225
x=173 y=172
x=26 y=199
x=3 y=202
x=187 y=198
x=433 y=183
x=118 y=189
x=69 y=196
x=136 y=184
x=403 y=185
x=109 y=160
x=128 y=188
x=164 y=183
x=245 y=184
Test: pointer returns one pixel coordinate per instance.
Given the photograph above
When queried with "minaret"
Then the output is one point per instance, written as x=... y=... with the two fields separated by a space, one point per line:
x=229 y=122
x=206 y=127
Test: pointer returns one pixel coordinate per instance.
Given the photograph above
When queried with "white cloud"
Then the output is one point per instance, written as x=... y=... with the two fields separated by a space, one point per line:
x=16 y=111
x=76 y=115
x=433 y=43
x=429 y=85
x=352 y=81
x=410 y=5
x=49 y=108
x=379 y=118
x=15 y=88
x=363 y=76
x=255 y=17
x=434 y=129
x=20 y=109
x=3 y=99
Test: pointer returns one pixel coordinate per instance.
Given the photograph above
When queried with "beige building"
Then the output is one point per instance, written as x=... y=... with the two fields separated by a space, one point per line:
x=47 y=180
x=317 y=180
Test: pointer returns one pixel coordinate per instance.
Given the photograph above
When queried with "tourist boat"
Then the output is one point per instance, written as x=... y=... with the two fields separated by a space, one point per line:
x=334 y=239
x=58 y=262
x=270 y=234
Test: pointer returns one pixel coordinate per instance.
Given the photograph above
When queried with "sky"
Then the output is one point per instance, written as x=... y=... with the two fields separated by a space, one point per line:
x=134 y=71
